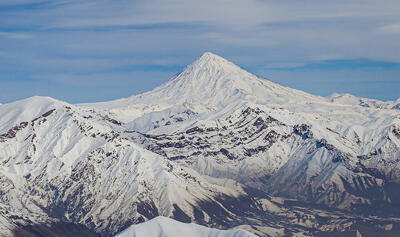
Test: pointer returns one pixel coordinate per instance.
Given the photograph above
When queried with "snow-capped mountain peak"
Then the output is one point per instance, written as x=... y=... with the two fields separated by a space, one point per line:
x=209 y=84
x=26 y=109
x=212 y=82
x=209 y=62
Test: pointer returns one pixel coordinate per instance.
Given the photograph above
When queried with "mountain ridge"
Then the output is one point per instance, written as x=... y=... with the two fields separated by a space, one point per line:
x=242 y=152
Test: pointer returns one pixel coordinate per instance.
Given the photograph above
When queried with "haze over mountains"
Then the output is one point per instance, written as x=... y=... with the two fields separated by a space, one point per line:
x=215 y=145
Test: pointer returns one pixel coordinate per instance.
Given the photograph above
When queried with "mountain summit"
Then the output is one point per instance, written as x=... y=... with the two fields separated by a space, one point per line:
x=215 y=82
x=209 y=59
x=214 y=65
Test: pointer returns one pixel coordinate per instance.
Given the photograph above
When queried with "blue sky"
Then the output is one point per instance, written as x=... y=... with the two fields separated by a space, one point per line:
x=97 y=50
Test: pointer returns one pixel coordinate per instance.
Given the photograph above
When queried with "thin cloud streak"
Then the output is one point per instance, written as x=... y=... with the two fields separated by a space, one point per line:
x=13 y=35
x=391 y=29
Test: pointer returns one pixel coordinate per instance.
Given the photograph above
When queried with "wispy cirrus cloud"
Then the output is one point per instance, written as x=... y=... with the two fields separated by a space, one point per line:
x=391 y=29
x=13 y=35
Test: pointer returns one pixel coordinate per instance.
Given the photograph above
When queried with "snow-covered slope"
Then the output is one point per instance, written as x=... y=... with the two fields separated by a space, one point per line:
x=60 y=160
x=166 y=227
x=348 y=99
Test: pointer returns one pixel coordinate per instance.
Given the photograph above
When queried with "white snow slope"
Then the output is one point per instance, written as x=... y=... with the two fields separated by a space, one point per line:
x=166 y=227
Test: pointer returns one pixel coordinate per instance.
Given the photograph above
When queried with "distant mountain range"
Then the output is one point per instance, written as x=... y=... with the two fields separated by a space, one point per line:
x=215 y=145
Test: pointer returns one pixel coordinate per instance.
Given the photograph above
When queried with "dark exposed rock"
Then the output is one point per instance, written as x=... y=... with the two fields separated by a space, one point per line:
x=12 y=132
x=250 y=110
x=194 y=130
x=258 y=122
x=303 y=130
x=48 y=113
x=111 y=120
x=148 y=209
x=180 y=215
x=177 y=157
x=396 y=132
x=323 y=143
x=56 y=229
x=251 y=151
x=226 y=153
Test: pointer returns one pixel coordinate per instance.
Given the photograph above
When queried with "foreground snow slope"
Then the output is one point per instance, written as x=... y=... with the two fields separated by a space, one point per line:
x=166 y=227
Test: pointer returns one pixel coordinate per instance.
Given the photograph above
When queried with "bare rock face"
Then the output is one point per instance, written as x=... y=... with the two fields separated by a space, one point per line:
x=215 y=145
